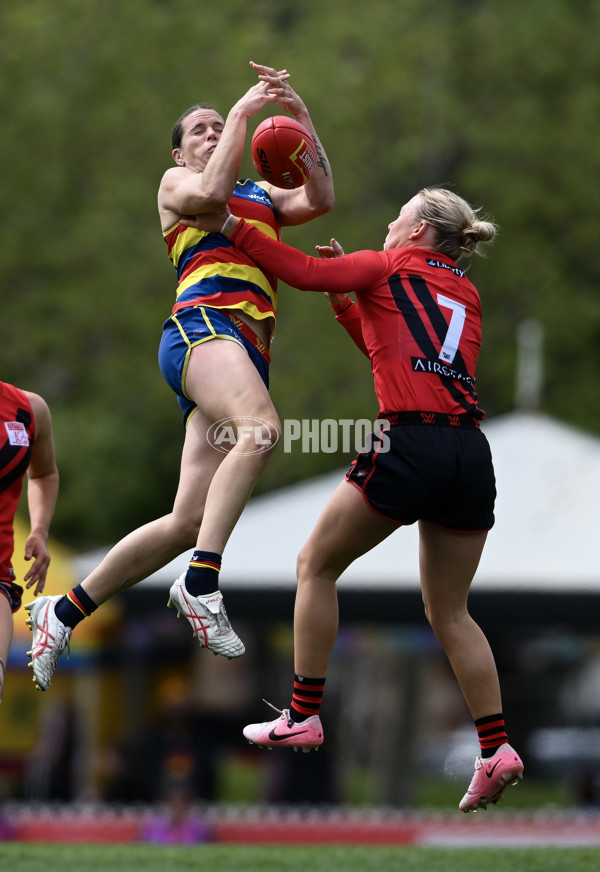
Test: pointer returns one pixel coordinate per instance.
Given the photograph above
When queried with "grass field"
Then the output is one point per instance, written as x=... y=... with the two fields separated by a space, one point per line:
x=16 y=857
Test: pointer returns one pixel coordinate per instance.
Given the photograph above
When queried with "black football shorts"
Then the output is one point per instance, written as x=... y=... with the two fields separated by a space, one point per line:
x=433 y=473
x=13 y=593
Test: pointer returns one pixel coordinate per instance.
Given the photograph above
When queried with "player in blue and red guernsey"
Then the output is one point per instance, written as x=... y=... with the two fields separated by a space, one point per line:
x=214 y=354
x=418 y=318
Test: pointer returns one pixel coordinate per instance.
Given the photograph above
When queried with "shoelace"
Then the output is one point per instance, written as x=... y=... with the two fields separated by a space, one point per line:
x=65 y=647
x=274 y=707
x=290 y=721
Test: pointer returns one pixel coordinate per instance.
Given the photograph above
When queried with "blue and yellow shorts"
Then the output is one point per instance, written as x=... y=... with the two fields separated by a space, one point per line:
x=196 y=324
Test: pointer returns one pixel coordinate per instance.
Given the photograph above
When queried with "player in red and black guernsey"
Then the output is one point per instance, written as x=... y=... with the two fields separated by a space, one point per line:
x=214 y=353
x=418 y=318
x=26 y=449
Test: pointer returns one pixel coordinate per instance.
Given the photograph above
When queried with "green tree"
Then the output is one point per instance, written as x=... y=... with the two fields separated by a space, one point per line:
x=498 y=100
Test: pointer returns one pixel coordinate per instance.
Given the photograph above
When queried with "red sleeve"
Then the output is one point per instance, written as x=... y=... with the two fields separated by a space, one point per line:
x=339 y=275
x=349 y=318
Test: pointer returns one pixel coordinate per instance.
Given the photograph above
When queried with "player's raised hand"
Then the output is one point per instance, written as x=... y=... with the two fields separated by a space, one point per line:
x=269 y=73
x=334 y=249
x=258 y=96
x=286 y=97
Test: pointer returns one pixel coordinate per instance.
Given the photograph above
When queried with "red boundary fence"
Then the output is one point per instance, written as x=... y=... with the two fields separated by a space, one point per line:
x=268 y=825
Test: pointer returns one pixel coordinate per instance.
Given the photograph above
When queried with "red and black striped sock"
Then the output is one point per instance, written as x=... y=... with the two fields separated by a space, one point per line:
x=491 y=731
x=74 y=607
x=307 y=697
x=202 y=576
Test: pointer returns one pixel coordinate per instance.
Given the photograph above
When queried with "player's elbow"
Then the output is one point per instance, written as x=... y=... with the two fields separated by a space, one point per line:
x=318 y=206
x=214 y=197
x=326 y=202
x=199 y=205
x=320 y=198
x=205 y=199
x=330 y=202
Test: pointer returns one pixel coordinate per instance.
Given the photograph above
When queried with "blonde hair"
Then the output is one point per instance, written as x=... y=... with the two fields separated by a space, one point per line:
x=458 y=230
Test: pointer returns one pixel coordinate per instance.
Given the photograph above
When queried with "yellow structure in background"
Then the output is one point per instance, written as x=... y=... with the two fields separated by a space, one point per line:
x=61 y=579
x=30 y=721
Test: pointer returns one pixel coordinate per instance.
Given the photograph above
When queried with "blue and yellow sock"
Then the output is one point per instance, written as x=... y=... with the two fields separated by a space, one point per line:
x=74 y=607
x=202 y=576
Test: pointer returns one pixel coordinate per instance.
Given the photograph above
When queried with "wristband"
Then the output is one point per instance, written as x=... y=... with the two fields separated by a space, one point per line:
x=227 y=220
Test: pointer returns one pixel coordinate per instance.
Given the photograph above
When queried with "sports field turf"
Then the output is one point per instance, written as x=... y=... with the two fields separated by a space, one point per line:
x=21 y=857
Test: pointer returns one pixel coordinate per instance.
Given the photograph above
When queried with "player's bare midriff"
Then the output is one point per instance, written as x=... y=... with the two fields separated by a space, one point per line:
x=262 y=328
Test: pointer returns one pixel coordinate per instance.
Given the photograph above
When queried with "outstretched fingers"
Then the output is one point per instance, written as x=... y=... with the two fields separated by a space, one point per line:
x=269 y=72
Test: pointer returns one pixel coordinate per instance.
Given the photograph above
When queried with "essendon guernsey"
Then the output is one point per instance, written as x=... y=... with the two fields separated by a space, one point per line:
x=418 y=314
x=16 y=437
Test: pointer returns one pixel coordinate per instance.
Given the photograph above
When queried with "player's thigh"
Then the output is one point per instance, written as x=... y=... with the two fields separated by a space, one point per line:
x=448 y=561
x=6 y=624
x=223 y=382
x=346 y=529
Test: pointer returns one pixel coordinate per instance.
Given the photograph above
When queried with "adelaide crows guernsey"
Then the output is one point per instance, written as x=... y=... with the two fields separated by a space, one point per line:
x=17 y=431
x=212 y=272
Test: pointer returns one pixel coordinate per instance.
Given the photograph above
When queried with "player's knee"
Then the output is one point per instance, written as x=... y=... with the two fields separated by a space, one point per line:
x=308 y=563
x=426 y=609
x=446 y=620
x=304 y=563
x=270 y=432
x=187 y=530
x=433 y=618
x=258 y=435
x=312 y=564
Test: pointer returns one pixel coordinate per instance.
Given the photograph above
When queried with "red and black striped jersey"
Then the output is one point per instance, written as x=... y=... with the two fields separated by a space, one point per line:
x=417 y=316
x=17 y=431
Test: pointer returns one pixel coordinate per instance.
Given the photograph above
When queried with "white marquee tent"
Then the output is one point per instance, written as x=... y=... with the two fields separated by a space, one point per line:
x=548 y=479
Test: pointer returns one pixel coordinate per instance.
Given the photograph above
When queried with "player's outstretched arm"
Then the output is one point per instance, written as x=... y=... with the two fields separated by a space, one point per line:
x=223 y=169
x=186 y=190
x=346 y=310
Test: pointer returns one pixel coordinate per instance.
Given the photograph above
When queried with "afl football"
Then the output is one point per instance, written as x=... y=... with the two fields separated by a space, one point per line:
x=283 y=152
